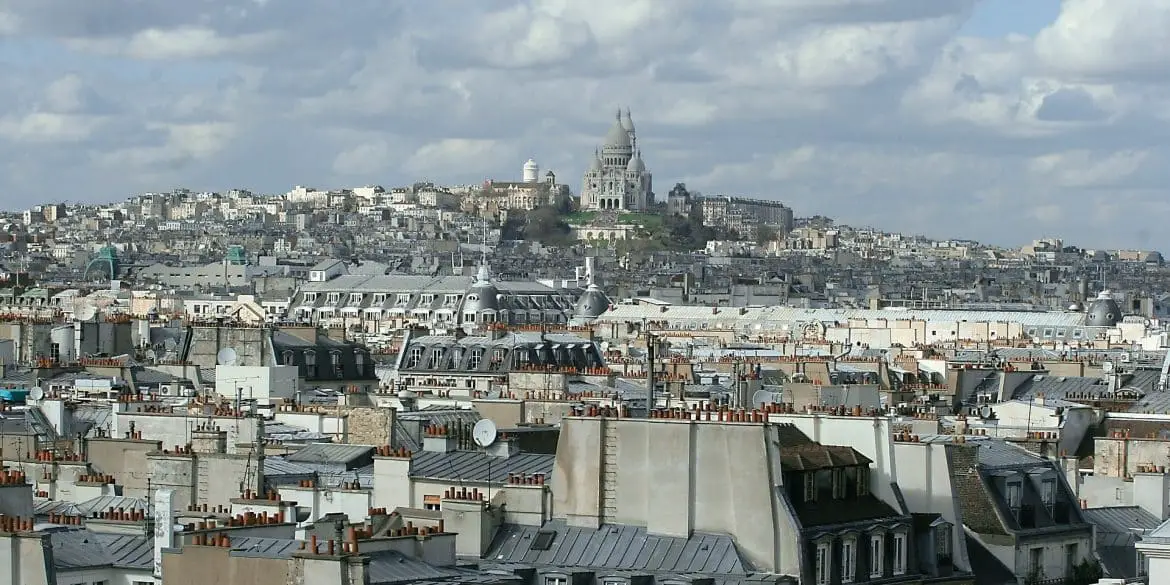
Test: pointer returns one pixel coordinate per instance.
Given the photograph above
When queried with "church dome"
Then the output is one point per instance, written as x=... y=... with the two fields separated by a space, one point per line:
x=592 y=303
x=618 y=136
x=1103 y=311
x=628 y=122
x=636 y=165
x=595 y=166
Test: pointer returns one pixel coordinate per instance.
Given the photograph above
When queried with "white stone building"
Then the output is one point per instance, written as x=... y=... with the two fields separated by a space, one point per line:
x=617 y=178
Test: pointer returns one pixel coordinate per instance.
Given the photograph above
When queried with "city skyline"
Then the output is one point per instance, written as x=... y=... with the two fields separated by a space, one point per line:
x=939 y=119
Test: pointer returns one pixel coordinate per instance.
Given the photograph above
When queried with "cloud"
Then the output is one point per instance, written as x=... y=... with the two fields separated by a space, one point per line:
x=878 y=112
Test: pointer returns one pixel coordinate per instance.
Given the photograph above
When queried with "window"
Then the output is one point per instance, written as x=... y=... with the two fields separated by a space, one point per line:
x=824 y=563
x=414 y=357
x=355 y=298
x=558 y=580
x=426 y=299
x=333 y=297
x=838 y=483
x=310 y=297
x=1071 y=559
x=55 y=352
x=1013 y=495
x=432 y=503
x=899 y=561
x=876 y=560
x=359 y=361
x=436 y=356
x=403 y=298
x=379 y=298
x=1048 y=493
x=863 y=481
x=310 y=364
x=810 y=487
x=476 y=358
x=848 y=560
x=335 y=361
x=1143 y=566
x=942 y=541
x=1036 y=562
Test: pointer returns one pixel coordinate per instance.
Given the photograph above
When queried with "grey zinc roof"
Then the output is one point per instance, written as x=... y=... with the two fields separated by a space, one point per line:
x=330 y=453
x=1117 y=531
x=477 y=467
x=81 y=549
x=619 y=547
x=269 y=548
x=391 y=566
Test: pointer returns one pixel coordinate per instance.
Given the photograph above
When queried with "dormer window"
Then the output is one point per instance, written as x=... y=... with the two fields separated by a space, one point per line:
x=436 y=356
x=355 y=298
x=310 y=364
x=413 y=357
x=839 y=487
x=810 y=487
x=403 y=298
x=452 y=299
x=942 y=541
x=310 y=297
x=1048 y=493
x=335 y=361
x=333 y=297
x=379 y=298
x=1013 y=495
x=475 y=360
x=862 y=481
x=359 y=361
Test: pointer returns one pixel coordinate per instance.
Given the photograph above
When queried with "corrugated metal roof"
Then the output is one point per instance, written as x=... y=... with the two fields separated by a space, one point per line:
x=478 y=467
x=275 y=466
x=103 y=503
x=619 y=547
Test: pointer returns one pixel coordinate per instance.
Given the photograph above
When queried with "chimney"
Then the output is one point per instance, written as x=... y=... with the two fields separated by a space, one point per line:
x=1072 y=472
x=208 y=438
x=467 y=514
x=439 y=439
x=1151 y=486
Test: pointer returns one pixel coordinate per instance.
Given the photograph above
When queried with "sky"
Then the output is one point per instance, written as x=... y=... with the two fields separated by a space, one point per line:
x=996 y=120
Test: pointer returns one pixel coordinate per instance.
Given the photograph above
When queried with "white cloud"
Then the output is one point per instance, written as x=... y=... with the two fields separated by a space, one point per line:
x=191 y=42
x=873 y=111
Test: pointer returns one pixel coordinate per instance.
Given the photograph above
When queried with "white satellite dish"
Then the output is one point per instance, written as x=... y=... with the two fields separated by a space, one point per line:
x=226 y=357
x=484 y=432
x=150 y=355
x=36 y=393
x=764 y=397
x=83 y=309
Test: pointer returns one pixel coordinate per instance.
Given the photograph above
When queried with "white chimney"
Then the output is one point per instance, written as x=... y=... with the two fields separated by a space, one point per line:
x=164 y=526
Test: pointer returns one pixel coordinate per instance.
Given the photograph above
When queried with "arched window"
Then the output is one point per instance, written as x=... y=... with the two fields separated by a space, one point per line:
x=310 y=364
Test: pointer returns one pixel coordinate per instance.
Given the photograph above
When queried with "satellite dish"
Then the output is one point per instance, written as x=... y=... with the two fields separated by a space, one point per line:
x=36 y=393
x=170 y=344
x=1107 y=367
x=83 y=309
x=484 y=432
x=226 y=357
x=405 y=395
x=150 y=355
x=764 y=397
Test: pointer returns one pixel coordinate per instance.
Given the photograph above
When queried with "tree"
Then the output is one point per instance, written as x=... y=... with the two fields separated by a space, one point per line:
x=765 y=234
x=544 y=224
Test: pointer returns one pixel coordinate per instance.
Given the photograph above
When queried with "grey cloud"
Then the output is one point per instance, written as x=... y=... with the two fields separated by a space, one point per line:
x=1070 y=105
